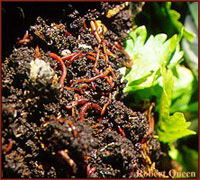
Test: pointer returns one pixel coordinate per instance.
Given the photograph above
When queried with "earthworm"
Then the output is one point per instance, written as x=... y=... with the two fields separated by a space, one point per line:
x=93 y=78
x=86 y=107
x=9 y=147
x=106 y=105
x=77 y=55
x=64 y=69
x=90 y=170
x=94 y=30
x=75 y=132
x=121 y=131
x=71 y=162
x=37 y=52
x=25 y=39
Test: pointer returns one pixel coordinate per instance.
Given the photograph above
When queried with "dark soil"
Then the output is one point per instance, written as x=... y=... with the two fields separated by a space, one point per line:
x=57 y=126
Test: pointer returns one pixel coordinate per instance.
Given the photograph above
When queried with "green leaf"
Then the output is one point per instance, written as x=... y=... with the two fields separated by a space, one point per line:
x=147 y=93
x=193 y=107
x=173 y=152
x=167 y=79
x=136 y=40
x=183 y=89
x=174 y=127
x=174 y=17
x=170 y=128
x=177 y=58
x=159 y=17
x=149 y=56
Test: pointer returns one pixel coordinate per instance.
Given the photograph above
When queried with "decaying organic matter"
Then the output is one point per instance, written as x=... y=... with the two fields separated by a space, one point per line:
x=62 y=111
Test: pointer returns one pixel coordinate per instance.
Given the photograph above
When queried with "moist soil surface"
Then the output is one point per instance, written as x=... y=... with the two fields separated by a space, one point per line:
x=63 y=109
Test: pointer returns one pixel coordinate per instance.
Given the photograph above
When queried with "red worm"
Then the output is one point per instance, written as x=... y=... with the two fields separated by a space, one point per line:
x=73 y=56
x=75 y=132
x=93 y=78
x=96 y=61
x=96 y=106
x=84 y=86
x=7 y=149
x=94 y=30
x=111 y=54
x=91 y=57
x=90 y=170
x=84 y=24
x=59 y=119
x=37 y=52
x=75 y=89
x=73 y=112
x=25 y=39
x=130 y=63
x=121 y=131
x=72 y=89
x=117 y=45
x=83 y=110
x=64 y=69
x=68 y=57
x=105 y=51
x=106 y=105
x=93 y=54
x=77 y=55
x=86 y=107
x=67 y=33
x=66 y=157
x=93 y=86
x=113 y=74
x=109 y=81
x=79 y=101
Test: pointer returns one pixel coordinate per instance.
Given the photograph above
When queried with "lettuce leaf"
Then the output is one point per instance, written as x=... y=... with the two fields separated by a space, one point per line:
x=149 y=77
x=173 y=127
x=168 y=83
x=181 y=98
x=170 y=127
x=149 y=56
x=174 y=17
x=156 y=73
x=160 y=17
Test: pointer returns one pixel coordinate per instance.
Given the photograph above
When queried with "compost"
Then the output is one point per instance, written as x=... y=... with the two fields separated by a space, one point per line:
x=63 y=113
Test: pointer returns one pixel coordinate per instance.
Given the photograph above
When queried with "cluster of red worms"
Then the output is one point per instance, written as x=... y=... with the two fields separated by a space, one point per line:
x=82 y=107
x=102 y=51
x=108 y=74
